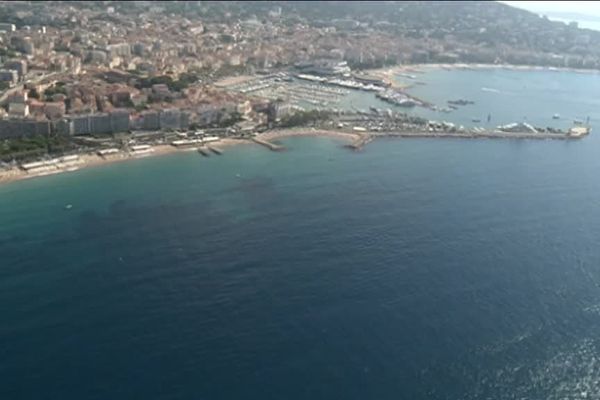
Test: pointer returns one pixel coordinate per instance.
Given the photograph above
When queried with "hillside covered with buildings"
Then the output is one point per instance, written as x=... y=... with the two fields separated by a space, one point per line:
x=100 y=68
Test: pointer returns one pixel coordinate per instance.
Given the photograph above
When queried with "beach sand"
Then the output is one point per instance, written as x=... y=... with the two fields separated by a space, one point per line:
x=87 y=160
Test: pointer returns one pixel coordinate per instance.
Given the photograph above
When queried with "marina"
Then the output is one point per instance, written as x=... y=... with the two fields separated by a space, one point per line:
x=345 y=93
x=303 y=89
x=367 y=115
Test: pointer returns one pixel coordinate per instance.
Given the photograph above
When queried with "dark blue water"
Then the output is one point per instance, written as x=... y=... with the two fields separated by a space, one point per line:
x=417 y=269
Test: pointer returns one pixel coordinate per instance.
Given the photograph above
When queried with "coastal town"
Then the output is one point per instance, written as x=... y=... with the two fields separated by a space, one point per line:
x=83 y=83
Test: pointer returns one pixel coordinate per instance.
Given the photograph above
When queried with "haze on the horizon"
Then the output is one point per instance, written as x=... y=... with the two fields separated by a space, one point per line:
x=589 y=8
x=585 y=13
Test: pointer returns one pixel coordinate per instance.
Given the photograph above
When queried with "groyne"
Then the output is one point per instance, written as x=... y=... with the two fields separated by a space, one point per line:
x=271 y=146
x=360 y=142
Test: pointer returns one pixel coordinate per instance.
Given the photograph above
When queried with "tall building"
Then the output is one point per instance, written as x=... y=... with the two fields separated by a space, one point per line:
x=9 y=75
x=18 y=65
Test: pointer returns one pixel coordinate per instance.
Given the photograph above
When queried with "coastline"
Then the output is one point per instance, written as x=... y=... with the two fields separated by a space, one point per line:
x=88 y=160
x=311 y=132
x=390 y=72
x=91 y=159
x=354 y=140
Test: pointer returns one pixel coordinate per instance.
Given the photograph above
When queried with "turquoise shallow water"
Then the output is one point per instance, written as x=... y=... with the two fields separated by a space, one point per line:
x=416 y=269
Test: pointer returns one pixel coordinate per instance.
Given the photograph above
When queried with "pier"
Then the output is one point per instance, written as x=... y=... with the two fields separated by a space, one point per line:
x=204 y=151
x=359 y=143
x=268 y=145
x=485 y=134
x=215 y=150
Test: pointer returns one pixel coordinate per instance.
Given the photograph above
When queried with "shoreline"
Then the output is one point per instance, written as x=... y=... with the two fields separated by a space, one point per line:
x=390 y=72
x=90 y=160
x=354 y=140
x=294 y=132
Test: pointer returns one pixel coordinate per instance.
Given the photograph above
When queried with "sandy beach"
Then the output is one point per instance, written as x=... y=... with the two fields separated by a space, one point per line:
x=87 y=160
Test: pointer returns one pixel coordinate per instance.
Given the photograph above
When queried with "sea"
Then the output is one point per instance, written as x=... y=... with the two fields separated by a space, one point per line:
x=414 y=269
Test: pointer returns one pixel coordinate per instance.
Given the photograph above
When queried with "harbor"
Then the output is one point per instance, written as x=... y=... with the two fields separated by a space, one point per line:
x=354 y=113
x=304 y=93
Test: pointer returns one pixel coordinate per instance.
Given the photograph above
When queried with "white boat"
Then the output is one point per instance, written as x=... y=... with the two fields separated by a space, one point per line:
x=556 y=116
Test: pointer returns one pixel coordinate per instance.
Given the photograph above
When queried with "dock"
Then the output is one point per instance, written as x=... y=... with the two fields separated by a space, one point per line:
x=359 y=143
x=269 y=145
x=573 y=134
x=204 y=151
x=215 y=150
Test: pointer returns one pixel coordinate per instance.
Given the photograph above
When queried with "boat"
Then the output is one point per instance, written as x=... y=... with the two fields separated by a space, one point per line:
x=460 y=102
x=68 y=206
x=475 y=120
x=556 y=116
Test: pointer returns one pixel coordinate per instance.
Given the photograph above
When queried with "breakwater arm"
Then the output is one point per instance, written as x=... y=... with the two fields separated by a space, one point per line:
x=267 y=144
x=486 y=134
